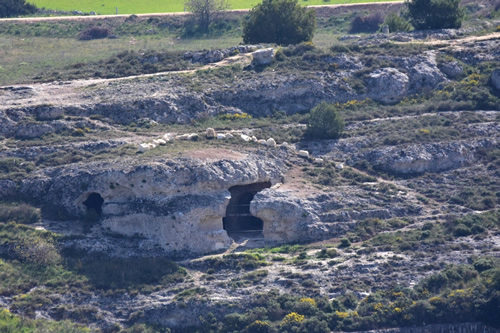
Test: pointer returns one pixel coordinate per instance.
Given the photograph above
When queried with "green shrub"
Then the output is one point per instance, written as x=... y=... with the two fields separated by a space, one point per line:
x=20 y=213
x=368 y=24
x=435 y=14
x=279 y=21
x=397 y=23
x=345 y=242
x=94 y=33
x=16 y=7
x=37 y=250
x=324 y=122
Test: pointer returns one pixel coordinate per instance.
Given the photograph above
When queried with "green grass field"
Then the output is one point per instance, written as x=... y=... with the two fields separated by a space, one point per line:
x=156 y=6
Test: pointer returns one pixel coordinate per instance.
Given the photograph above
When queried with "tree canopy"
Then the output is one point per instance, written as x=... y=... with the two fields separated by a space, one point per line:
x=279 y=21
x=10 y=8
x=206 y=11
x=435 y=14
x=325 y=122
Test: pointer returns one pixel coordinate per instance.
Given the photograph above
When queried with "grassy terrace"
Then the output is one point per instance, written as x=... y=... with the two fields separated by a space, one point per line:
x=158 y=6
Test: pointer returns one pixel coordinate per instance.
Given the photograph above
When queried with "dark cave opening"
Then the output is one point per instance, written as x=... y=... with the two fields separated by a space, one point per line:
x=238 y=218
x=94 y=203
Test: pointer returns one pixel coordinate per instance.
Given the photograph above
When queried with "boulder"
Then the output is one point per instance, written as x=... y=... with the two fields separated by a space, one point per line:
x=32 y=130
x=425 y=76
x=263 y=57
x=495 y=79
x=45 y=112
x=221 y=136
x=245 y=138
x=387 y=85
x=451 y=69
x=432 y=157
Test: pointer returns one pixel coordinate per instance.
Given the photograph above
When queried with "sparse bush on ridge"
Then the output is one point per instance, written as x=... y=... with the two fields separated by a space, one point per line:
x=279 y=21
x=370 y=23
x=435 y=14
x=94 y=33
x=10 y=8
x=397 y=23
x=324 y=122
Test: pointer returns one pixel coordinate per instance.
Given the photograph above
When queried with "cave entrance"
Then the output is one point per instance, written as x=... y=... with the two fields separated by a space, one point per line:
x=94 y=204
x=238 y=219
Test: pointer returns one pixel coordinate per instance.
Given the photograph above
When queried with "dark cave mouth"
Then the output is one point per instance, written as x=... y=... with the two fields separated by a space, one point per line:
x=238 y=219
x=94 y=203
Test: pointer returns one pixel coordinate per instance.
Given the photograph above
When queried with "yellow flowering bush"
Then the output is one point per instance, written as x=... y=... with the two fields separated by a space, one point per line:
x=292 y=318
x=308 y=300
x=236 y=116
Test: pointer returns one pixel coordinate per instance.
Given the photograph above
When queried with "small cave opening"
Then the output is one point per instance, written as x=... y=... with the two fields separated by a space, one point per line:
x=94 y=204
x=238 y=219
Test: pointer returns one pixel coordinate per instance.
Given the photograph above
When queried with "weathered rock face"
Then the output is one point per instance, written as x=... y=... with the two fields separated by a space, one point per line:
x=387 y=85
x=286 y=218
x=177 y=205
x=452 y=69
x=495 y=79
x=434 y=157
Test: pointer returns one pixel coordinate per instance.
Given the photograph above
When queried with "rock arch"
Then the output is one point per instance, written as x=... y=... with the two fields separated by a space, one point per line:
x=238 y=218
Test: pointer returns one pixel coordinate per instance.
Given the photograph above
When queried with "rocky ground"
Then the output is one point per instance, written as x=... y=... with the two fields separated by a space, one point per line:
x=399 y=167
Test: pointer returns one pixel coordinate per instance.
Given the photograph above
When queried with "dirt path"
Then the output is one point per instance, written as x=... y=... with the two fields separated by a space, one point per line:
x=70 y=92
x=456 y=42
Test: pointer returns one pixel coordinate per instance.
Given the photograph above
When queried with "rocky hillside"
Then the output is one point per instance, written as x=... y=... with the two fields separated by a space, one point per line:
x=194 y=200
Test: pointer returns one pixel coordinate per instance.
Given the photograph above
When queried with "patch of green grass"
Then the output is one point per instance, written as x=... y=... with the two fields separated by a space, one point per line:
x=155 y=6
x=11 y=323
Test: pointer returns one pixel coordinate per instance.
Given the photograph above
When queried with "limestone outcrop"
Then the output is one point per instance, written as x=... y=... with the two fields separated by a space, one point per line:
x=387 y=85
x=175 y=204
x=435 y=157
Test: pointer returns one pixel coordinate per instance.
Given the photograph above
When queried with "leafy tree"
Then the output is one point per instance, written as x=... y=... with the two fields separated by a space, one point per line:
x=10 y=8
x=435 y=14
x=279 y=21
x=206 y=11
x=325 y=122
